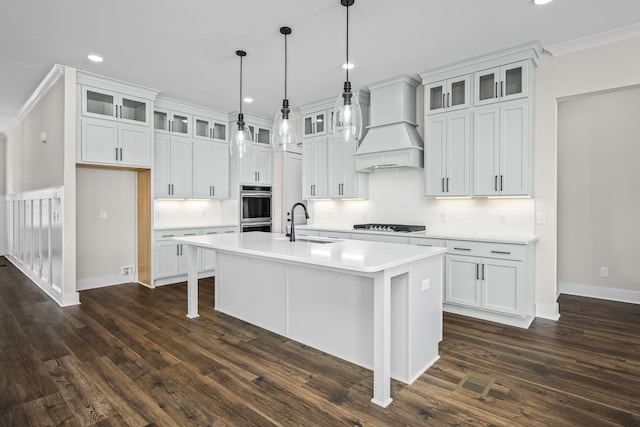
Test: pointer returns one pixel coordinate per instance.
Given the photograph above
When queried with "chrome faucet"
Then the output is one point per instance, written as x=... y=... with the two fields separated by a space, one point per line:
x=292 y=236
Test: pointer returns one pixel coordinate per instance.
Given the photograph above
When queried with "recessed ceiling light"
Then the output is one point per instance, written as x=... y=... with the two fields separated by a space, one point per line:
x=541 y=2
x=95 y=57
x=348 y=66
x=248 y=100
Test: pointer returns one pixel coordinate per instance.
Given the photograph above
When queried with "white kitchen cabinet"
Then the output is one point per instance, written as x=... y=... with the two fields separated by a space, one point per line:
x=314 y=168
x=315 y=124
x=171 y=122
x=502 y=83
x=447 y=155
x=447 y=95
x=210 y=170
x=110 y=143
x=489 y=277
x=111 y=105
x=257 y=168
x=209 y=129
x=170 y=257
x=343 y=180
x=172 y=167
x=503 y=158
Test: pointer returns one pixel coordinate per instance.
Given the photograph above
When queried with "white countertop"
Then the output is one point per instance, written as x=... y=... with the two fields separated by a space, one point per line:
x=355 y=255
x=479 y=237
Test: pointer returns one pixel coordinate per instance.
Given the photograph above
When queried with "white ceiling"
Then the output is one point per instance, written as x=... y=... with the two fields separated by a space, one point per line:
x=186 y=49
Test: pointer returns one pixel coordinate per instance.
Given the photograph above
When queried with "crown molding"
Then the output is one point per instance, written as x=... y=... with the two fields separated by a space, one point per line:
x=595 y=40
x=43 y=88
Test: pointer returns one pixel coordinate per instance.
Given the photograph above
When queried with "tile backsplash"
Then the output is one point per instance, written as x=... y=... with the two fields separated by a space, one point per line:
x=194 y=213
x=397 y=196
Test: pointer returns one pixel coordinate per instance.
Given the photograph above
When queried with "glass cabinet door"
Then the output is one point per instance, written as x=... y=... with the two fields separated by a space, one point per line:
x=434 y=97
x=514 y=81
x=161 y=120
x=180 y=123
x=202 y=128
x=134 y=110
x=99 y=103
x=458 y=92
x=486 y=87
x=264 y=136
x=219 y=131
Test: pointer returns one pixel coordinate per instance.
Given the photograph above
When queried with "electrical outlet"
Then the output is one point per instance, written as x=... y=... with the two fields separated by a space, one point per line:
x=426 y=284
x=604 y=271
x=103 y=214
x=541 y=218
x=127 y=270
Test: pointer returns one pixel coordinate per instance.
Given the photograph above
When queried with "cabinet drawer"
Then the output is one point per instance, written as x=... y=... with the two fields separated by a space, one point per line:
x=219 y=230
x=423 y=241
x=488 y=250
x=170 y=234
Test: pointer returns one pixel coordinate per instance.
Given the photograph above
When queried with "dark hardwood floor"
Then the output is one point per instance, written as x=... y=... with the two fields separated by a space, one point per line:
x=128 y=356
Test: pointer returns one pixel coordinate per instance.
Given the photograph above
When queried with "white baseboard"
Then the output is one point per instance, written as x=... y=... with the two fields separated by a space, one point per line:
x=579 y=289
x=548 y=311
x=53 y=291
x=103 y=281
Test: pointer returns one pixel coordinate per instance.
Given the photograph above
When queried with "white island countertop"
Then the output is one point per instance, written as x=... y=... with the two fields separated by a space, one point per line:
x=355 y=255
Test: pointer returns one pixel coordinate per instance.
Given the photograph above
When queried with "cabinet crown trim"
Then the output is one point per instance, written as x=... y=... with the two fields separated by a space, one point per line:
x=97 y=81
x=528 y=51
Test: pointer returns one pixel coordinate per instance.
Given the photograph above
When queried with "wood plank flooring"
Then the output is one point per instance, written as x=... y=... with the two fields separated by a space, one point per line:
x=128 y=356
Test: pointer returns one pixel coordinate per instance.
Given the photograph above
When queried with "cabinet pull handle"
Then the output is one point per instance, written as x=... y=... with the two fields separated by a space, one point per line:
x=189 y=234
x=477 y=271
x=168 y=235
x=115 y=107
x=496 y=92
x=495 y=182
x=121 y=154
x=229 y=231
x=424 y=244
x=116 y=154
x=443 y=100
x=443 y=185
x=177 y=250
x=212 y=232
x=484 y=269
x=462 y=249
x=501 y=87
x=121 y=111
x=501 y=252
x=447 y=184
x=501 y=182
x=172 y=190
x=448 y=99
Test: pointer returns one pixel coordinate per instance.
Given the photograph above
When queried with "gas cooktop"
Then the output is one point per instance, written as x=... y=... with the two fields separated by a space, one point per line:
x=401 y=228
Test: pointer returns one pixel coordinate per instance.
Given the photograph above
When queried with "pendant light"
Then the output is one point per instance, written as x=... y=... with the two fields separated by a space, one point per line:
x=284 y=131
x=241 y=144
x=347 y=115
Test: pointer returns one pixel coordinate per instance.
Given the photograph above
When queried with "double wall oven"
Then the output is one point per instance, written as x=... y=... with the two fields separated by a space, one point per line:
x=255 y=208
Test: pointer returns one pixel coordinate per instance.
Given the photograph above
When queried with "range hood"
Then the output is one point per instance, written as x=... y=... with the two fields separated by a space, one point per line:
x=391 y=140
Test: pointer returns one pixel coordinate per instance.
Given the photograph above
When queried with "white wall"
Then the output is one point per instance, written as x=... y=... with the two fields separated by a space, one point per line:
x=603 y=68
x=3 y=192
x=31 y=164
x=598 y=197
x=397 y=196
x=105 y=226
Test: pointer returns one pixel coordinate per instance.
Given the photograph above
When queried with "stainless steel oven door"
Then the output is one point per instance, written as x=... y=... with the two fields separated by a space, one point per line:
x=256 y=226
x=255 y=204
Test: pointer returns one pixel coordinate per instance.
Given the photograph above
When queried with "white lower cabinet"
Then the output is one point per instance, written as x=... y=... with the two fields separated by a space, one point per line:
x=489 y=281
x=170 y=258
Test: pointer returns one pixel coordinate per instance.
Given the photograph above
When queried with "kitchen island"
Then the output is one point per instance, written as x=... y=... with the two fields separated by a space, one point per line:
x=377 y=305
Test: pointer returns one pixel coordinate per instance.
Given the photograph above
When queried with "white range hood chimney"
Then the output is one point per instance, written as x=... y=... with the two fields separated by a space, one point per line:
x=391 y=140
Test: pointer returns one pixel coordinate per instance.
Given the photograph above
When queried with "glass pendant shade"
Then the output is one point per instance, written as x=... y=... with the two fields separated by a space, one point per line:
x=347 y=118
x=241 y=142
x=285 y=129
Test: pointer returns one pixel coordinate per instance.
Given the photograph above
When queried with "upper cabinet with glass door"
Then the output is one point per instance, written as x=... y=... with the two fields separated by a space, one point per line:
x=206 y=128
x=315 y=124
x=502 y=83
x=173 y=122
x=447 y=95
x=110 y=105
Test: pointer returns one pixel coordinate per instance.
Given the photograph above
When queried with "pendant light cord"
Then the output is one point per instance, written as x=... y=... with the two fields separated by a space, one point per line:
x=347 y=65
x=241 y=85
x=285 y=66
